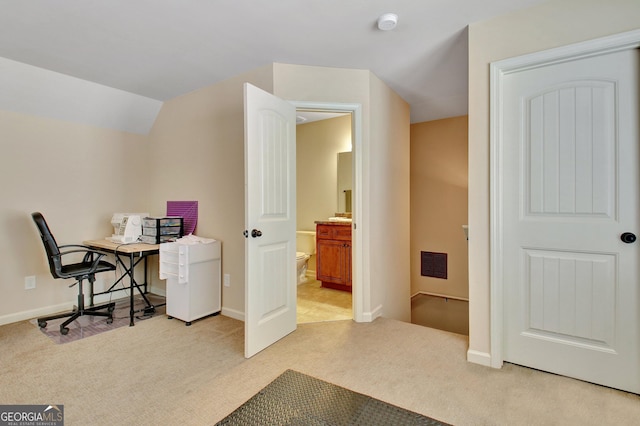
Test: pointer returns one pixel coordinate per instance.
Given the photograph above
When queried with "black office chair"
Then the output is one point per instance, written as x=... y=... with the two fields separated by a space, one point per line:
x=90 y=265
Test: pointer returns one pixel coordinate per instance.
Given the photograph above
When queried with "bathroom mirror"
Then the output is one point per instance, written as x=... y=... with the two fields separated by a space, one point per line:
x=345 y=182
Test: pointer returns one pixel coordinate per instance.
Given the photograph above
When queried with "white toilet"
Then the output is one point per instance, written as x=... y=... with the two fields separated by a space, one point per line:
x=305 y=247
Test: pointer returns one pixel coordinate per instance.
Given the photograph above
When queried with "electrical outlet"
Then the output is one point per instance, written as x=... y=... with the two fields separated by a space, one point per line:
x=30 y=282
x=227 y=280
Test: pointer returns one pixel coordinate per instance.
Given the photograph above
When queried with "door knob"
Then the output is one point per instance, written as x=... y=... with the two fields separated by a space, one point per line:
x=256 y=233
x=628 y=237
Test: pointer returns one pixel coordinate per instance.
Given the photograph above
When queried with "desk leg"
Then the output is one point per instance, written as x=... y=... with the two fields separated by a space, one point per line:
x=131 y=285
x=146 y=275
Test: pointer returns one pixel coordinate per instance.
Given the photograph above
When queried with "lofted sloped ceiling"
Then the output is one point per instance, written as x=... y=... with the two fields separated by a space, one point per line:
x=160 y=49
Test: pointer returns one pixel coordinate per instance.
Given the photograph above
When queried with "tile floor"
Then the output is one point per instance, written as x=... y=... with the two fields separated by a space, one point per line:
x=316 y=304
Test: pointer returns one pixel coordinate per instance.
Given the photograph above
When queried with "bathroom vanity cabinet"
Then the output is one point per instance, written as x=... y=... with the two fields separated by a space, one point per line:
x=333 y=255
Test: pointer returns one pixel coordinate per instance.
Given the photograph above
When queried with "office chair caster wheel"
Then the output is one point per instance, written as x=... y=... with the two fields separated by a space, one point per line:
x=64 y=331
x=42 y=324
x=109 y=320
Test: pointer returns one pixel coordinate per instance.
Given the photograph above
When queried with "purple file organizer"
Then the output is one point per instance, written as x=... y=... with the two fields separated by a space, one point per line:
x=186 y=209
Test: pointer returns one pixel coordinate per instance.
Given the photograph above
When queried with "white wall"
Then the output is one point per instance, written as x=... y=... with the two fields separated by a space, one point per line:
x=551 y=24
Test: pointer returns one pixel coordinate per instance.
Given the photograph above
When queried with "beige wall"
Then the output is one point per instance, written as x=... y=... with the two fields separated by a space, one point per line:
x=389 y=202
x=198 y=154
x=552 y=24
x=439 y=203
x=77 y=176
x=208 y=124
x=194 y=152
x=318 y=144
x=385 y=175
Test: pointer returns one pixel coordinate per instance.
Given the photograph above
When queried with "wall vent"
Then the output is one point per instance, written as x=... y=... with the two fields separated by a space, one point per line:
x=433 y=264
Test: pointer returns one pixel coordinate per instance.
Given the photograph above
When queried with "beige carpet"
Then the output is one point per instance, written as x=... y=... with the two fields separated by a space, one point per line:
x=161 y=372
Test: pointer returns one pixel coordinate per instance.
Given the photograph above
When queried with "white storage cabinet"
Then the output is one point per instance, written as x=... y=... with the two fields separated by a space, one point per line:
x=193 y=278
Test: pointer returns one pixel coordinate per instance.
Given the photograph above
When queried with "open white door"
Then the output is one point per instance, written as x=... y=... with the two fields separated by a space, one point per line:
x=270 y=219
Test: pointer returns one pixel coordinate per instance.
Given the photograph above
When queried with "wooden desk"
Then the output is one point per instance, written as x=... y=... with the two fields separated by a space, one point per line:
x=135 y=253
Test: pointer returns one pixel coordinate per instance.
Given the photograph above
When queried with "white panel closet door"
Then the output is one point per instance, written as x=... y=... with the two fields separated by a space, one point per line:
x=570 y=190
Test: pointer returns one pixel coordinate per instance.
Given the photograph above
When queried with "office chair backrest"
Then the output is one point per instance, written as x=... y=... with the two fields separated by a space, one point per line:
x=50 y=245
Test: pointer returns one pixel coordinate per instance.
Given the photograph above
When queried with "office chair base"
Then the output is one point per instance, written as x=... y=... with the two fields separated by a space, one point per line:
x=77 y=313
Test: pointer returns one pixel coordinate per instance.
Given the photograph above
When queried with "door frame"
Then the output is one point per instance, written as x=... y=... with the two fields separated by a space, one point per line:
x=498 y=70
x=361 y=290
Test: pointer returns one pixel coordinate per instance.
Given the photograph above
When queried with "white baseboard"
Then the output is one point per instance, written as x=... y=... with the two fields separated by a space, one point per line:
x=370 y=316
x=160 y=291
x=377 y=312
x=124 y=293
x=36 y=313
x=477 y=357
x=232 y=313
x=67 y=306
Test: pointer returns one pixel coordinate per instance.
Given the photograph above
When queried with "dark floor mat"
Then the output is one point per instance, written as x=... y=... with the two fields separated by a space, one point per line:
x=297 y=399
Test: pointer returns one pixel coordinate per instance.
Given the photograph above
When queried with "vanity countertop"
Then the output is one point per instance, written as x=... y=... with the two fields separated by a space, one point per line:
x=333 y=222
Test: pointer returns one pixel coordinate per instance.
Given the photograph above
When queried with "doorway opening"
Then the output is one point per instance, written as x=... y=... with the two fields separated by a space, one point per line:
x=326 y=192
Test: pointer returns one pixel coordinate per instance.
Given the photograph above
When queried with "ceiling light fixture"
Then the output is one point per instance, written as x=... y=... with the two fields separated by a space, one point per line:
x=387 y=22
